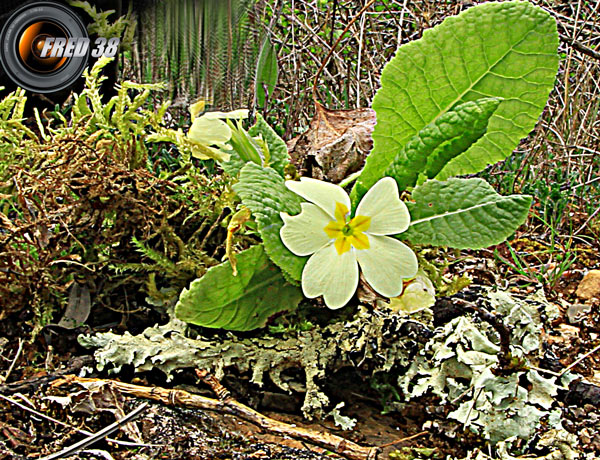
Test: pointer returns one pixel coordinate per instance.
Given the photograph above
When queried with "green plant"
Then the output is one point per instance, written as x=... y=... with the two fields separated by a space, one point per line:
x=14 y=134
x=123 y=27
x=81 y=207
x=488 y=95
x=552 y=262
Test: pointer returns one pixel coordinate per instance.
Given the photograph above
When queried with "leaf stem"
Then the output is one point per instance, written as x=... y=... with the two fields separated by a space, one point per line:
x=351 y=178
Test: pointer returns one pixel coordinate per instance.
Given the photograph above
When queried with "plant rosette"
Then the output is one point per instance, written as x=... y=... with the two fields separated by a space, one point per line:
x=339 y=244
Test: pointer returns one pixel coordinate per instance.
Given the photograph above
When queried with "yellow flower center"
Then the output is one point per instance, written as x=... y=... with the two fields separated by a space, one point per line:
x=348 y=233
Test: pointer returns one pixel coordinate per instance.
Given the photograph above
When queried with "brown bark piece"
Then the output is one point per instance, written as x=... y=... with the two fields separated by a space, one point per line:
x=589 y=287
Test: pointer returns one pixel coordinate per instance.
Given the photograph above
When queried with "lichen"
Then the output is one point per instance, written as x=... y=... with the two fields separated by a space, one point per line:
x=458 y=362
x=372 y=338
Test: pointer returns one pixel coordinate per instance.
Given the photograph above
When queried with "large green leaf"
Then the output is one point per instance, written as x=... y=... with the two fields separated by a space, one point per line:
x=463 y=213
x=267 y=72
x=426 y=153
x=506 y=50
x=278 y=152
x=263 y=191
x=238 y=303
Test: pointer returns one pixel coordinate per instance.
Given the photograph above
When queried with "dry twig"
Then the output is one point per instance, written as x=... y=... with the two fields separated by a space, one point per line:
x=14 y=361
x=340 y=446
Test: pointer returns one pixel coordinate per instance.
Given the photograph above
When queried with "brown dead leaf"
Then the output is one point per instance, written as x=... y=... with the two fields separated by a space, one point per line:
x=335 y=145
x=16 y=437
x=78 y=308
x=98 y=397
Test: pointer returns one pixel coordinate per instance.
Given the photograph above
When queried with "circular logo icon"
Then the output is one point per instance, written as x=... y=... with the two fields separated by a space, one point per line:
x=44 y=47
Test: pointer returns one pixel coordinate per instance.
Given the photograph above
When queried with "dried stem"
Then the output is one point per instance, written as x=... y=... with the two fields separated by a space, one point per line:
x=340 y=446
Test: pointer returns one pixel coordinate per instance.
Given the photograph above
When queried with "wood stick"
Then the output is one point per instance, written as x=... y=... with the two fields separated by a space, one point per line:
x=580 y=47
x=340 y=446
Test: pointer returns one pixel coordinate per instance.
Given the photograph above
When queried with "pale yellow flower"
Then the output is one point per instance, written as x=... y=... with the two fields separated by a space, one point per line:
x=209 y=134
x=339 y=244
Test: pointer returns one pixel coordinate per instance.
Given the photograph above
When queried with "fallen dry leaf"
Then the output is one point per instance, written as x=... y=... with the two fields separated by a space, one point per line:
x=335 y=145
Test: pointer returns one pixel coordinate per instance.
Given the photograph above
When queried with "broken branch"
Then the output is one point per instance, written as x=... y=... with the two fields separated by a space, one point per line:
x=340 y=446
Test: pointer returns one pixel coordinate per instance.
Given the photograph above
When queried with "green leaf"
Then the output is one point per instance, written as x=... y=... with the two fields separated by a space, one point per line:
x=463 y=214
x=506 y=50
x=234 y=164
x=277 y=148
x=243 y=144
x=263 y=191
x=267 y=72
x=238 y=303
x=426 y=153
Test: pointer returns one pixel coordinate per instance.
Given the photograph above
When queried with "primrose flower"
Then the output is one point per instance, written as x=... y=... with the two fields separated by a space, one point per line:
x=209 y=133
x=340 y=243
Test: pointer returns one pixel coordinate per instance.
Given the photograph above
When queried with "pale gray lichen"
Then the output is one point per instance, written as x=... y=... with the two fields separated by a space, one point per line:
x=371 y=337
x=561 y=445
x=457 y=363
x=343 y=421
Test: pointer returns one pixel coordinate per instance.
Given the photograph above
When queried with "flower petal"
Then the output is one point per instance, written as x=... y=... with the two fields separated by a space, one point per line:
x=342 y=245
x=197 y=108
x=334 y=228
x=331 y=275
x=418 y=295
x=341 y=211
x=203 y=152
x=386 y=263
x=304 y=233
x=360 y=223
x=360 y=241
x=234 y=114
x=323 y=194
x=382 y=204
x=209 y=131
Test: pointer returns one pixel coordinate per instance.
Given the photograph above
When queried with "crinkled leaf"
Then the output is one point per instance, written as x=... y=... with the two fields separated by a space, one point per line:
x=278 y=151
x=234 y=164
x=426 y=153
x=498 y=49
x=463 y=213
x=263 y=191
x=238 y=303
